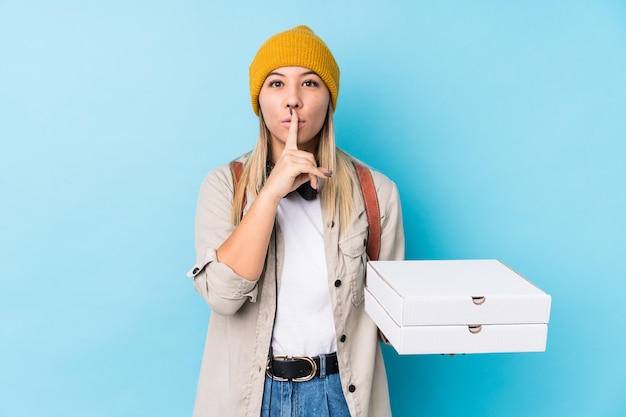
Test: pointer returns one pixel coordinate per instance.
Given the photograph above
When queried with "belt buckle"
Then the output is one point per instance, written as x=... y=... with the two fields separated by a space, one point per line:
x=299 y=379
x=313 y=369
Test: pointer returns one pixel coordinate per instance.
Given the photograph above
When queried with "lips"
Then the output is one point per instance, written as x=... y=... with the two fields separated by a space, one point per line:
x=287 y=122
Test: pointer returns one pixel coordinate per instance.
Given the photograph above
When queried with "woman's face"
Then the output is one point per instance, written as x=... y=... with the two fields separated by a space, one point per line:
x=306 y=93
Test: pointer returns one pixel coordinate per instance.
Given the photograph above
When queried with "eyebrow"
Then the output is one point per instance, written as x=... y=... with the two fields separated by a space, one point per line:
x=302 y=75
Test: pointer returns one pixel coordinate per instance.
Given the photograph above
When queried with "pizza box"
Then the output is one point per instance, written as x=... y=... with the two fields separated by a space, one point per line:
x=456 y=306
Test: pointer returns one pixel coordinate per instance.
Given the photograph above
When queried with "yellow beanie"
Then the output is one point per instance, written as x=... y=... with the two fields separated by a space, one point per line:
x=297 y=47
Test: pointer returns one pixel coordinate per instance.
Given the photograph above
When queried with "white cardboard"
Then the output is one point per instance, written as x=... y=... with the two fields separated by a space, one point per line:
x=456 y=306
x=457 y=339
x=456 y=292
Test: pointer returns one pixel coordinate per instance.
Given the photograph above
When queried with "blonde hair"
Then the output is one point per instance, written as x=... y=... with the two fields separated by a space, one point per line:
x=336 y=191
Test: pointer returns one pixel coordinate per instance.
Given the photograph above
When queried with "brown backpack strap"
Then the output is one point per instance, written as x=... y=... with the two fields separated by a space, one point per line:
x=236 y=168
x=370 y=198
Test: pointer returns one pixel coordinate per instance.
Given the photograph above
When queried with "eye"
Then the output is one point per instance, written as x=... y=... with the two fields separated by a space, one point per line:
x=310 y=83
x=275 y=83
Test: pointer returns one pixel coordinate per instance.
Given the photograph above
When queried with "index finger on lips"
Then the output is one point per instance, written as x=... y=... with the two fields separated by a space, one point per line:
x=292 y=136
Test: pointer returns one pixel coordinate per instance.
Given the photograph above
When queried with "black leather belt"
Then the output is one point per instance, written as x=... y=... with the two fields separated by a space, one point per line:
x=301 y=368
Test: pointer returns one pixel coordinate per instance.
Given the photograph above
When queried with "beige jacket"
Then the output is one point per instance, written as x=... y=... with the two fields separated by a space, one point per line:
x=240 y=326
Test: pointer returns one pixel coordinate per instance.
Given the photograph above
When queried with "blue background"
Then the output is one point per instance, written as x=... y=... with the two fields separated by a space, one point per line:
x=503 y=124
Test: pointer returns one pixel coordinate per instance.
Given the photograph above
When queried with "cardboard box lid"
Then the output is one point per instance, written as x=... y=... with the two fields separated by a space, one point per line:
x=456 y=292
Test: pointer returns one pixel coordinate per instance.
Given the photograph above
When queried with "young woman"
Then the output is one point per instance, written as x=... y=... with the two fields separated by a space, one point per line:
x=281 y=254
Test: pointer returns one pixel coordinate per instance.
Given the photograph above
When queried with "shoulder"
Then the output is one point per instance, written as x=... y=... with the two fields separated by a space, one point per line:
x=381 y=180
x=385 y=187
x=386 y=190
x=221 y=178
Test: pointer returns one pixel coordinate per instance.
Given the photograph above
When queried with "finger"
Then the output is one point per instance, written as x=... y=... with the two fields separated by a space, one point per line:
x=317 y=174
x=292 y=136
x=304 y=163
x=314 y=181
x=303 y=167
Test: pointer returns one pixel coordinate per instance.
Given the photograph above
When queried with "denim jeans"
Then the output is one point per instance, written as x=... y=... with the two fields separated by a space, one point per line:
x=319 y=397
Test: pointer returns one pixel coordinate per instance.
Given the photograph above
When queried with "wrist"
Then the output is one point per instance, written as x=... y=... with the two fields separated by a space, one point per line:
x=266 y=196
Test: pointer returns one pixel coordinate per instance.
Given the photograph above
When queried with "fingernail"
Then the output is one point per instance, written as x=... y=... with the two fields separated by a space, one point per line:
x=290 y=111
x=329 y=173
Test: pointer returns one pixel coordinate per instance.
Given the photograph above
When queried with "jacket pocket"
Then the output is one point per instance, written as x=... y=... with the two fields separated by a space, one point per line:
x=354 y=259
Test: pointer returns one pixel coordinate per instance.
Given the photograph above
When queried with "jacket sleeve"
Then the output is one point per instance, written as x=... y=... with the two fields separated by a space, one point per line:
x=392 y=229
x=217 y=283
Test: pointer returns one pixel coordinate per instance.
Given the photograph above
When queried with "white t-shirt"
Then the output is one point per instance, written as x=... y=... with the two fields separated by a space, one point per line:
x=304 y=318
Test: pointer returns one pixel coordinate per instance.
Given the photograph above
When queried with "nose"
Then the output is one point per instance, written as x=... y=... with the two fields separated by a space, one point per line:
x=293 y=99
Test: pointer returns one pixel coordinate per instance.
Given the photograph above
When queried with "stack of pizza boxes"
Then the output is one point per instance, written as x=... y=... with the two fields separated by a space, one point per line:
x=456 y=307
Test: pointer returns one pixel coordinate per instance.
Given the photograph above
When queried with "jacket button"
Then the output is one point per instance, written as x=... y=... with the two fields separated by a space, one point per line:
x=342 y=339
x=338 y=283
x=351 y=388
x=195 y=271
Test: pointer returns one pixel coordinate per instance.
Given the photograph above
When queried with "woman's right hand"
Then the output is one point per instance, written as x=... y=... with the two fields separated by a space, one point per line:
x=294 y=167
x=245 y=250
